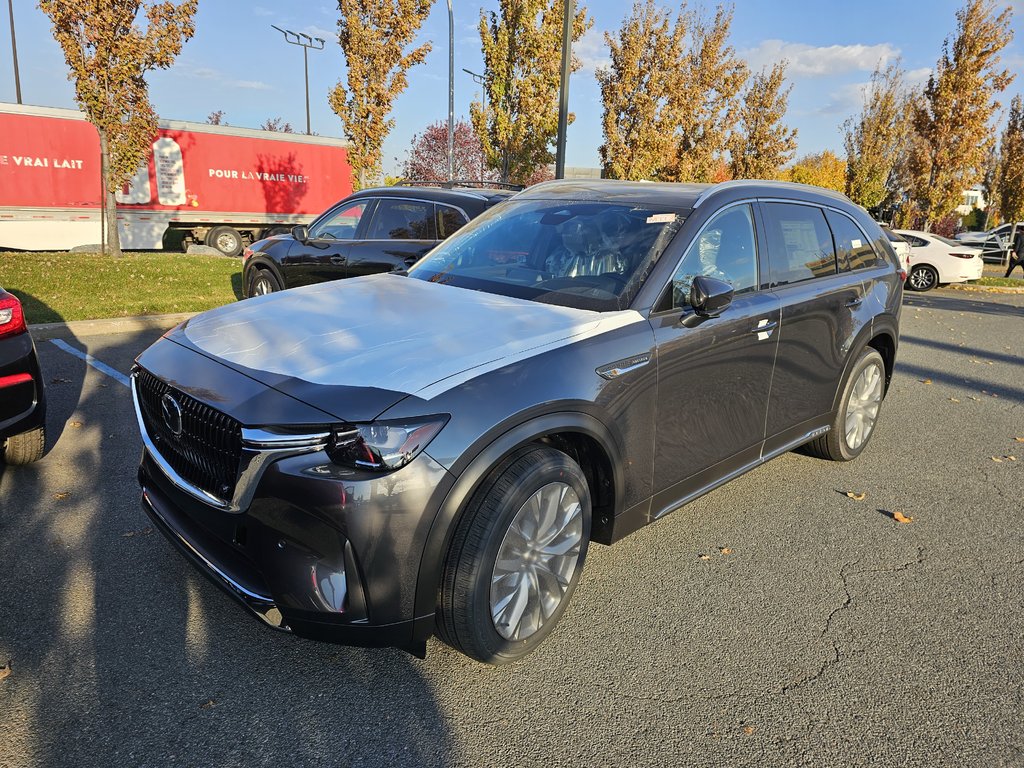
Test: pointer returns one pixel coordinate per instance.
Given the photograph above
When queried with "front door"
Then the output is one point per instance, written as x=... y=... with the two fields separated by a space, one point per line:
x=714 y=378
x=324 y=255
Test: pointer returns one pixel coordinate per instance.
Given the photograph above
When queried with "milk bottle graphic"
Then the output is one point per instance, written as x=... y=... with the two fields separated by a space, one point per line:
x=170 y=172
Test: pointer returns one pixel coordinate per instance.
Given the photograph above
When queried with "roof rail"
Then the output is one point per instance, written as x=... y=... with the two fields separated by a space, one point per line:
x=769 y=182
x=473 y=183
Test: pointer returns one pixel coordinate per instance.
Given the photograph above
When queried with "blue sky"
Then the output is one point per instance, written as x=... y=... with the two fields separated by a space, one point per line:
x=237 y=63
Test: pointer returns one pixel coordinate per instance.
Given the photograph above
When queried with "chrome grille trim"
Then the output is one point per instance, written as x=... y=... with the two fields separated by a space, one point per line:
x=256 y=455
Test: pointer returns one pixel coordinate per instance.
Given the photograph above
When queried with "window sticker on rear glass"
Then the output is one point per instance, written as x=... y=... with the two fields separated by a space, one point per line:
x=856 y=244
x=661 y=218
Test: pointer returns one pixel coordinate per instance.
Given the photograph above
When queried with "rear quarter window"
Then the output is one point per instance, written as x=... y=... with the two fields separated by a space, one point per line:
x=853 y=247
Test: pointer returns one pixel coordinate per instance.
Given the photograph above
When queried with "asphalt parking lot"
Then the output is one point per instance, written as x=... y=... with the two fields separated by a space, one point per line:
x=776 y=621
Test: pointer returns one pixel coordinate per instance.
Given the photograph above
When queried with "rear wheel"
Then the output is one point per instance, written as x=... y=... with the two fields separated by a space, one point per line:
x=859 y=405
x=922 y=278
x=25 y=447
x=516 y=556
x=263 y=282
x=227 y=240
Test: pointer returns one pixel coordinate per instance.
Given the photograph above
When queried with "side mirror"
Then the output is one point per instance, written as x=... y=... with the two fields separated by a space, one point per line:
x=710 y=296
x=301 y=233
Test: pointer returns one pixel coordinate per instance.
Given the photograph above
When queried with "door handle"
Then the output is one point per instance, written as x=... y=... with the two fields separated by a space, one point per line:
x=764 y=329
x=338 y=260
x=855 y=302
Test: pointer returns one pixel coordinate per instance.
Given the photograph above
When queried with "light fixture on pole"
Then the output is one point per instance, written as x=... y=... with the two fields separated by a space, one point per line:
x=451 y=93
x=563 y=94
x=14 y=51
x=481 y=81
x=307 y=42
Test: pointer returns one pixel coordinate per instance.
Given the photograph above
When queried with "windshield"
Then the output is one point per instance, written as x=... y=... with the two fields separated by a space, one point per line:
x=587 y=255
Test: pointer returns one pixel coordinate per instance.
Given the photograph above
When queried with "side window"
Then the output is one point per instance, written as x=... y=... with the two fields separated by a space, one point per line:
x=852 y=245
x=449 y=220
x=402 y=220
x=799 y=243
x=725 y=249
x=340 y=224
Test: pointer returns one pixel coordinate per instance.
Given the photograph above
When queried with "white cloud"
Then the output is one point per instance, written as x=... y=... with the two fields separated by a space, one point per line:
x=817 y=61
x=258 y=11
x=252 y=85
x=317 y=31
x=916 y=78
x=220 y=78
x=592 y=51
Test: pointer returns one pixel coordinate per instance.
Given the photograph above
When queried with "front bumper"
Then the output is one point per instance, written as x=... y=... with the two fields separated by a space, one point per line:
x=323 y=552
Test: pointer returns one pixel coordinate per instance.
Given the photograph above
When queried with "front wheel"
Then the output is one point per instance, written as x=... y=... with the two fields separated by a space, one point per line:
x=227 y=240
x=516 y=556
x=922 y=278
x=263 y=282
x=25 y=447
x=859 y=405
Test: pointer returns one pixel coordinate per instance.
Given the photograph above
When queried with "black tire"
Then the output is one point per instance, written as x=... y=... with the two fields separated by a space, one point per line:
x=922 y=278
x=273 y=231
x=227 y=240
x=25 y=448
x=464 y=612
x=833 y=445
x=263 y=281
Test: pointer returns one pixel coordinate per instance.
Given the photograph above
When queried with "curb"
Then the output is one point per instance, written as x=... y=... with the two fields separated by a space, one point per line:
x=985 y=288
x=80 y=328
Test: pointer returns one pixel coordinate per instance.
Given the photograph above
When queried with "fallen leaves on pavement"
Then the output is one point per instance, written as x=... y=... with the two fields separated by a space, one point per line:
x=899 y=517
x=5 y=671
x=856 y=496
x=704 y=557
x=725 y=550
x=60 y=496
x=925 y=381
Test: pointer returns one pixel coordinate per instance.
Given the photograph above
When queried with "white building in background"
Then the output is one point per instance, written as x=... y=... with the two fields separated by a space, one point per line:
x=972 y=198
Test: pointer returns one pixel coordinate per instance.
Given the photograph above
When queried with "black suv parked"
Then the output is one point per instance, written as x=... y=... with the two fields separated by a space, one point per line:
x=22 y=393
x=405 y=454
x=374 y=230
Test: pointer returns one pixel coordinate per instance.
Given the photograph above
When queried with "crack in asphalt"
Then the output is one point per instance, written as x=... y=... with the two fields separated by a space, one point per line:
x=845 y=575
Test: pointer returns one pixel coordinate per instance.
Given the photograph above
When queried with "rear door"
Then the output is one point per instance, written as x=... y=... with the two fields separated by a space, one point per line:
x=822 y=304
x=399 y=232
x=324 y=256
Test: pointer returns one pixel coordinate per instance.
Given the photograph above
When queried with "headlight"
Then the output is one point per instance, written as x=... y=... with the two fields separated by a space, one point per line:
x=383 y=446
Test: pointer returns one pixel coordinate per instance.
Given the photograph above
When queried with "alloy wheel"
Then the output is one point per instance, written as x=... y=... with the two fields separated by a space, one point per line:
x=536 y=561
x=862 y=407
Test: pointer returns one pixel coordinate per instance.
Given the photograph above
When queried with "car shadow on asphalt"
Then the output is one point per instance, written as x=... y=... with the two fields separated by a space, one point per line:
x=121 y=653
x=982 y=304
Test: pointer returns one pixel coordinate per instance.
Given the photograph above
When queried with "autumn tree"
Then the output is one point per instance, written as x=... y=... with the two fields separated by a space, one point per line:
x=707 y=103
x=276 y=125
x=216 y=117
x=876 y=139
x=522 y=65
x=374 y=36
x=647 y=65
x=823 y=169
x=427 y=159
x=109 y=54
x=1011 y=165
x=953 y=120
x=763 y=143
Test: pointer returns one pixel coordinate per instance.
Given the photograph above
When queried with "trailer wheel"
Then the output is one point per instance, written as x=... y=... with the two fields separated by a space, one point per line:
x=226 y=240
x=274 y=231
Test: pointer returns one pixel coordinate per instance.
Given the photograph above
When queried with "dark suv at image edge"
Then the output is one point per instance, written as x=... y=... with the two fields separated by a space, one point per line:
x=393 y=456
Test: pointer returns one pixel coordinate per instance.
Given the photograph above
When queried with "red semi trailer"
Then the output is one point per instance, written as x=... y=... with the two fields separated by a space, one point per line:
x=217 y=185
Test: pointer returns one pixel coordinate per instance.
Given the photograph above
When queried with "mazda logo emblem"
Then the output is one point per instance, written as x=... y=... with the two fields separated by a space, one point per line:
x=172 y=414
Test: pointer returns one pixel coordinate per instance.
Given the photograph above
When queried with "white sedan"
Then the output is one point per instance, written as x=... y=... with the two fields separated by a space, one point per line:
x=935 y=260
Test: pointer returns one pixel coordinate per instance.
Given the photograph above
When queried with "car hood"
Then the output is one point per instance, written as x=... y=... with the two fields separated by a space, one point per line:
x=355 y=347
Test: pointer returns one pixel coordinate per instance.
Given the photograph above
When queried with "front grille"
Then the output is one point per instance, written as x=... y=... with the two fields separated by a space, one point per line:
x=209 y=448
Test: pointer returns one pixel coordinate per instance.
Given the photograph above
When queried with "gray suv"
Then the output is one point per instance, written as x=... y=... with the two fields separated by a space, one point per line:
x=375 y=460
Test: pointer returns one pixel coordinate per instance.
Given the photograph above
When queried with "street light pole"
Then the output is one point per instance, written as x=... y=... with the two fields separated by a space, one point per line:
x=563 y=95
x=451 y=93
x=481 y=81
x=14 y=51
x=297 y=38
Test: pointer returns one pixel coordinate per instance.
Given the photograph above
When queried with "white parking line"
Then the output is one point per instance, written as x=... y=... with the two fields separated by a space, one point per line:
x=99 y=365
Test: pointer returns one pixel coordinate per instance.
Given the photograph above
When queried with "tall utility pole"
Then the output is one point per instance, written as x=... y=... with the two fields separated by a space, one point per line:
x=451 y=93
x=563 y=93
x=481 y=81
x=14 y=50
x=298 y=38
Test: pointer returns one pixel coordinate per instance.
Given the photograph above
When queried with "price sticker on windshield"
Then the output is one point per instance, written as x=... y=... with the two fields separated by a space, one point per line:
x=661 y=218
